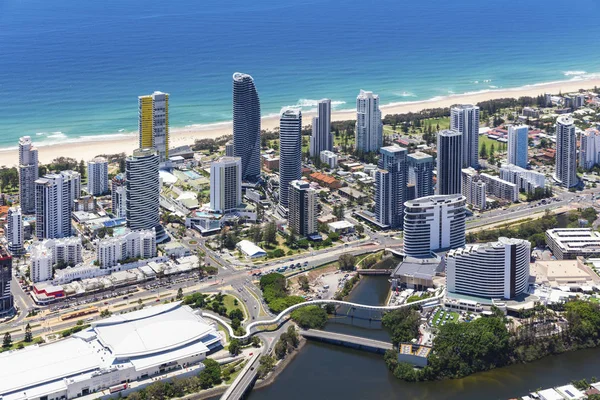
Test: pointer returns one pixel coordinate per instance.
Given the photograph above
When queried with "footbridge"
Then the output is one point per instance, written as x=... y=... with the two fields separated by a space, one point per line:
x=251 y=328
x=354 y=342
x=374 y=271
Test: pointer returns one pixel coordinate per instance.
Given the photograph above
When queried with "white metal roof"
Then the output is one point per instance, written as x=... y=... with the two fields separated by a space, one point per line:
x=151 y=330
x=41 y=364
x=249 y=248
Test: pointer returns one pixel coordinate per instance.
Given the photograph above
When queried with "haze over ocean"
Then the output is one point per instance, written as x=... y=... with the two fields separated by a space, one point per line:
x=71 y=68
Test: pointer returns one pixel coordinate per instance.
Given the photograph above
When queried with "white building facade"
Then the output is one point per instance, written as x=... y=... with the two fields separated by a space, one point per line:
x=473 y=188
x=491 y=270
x=566 y=152
x=434 y=223
x=143 y=192
x=525 y=179
x=589 y=148
x=97 y=172
x=42 y=260
x=500 y=188
x=138 y=244
x=54 y=197
x=369 y=127
x=329 y=158
x=14 y=231
x=226 y=184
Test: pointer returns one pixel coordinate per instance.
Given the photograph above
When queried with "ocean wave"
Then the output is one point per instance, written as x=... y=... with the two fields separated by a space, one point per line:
x=572 y=73
x=405 y=94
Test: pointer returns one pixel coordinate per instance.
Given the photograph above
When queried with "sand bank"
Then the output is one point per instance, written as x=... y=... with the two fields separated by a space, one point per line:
x=88 y=148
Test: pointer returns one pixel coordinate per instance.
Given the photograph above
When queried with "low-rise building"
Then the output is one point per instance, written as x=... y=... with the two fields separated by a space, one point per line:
x=500 y=188
x=325 y=180
x=132 y=347
x=329 y=158
x=131 y=245
x=525 y=179
x=570 y=243
x=250 y=250
x=67 y=251
x=341 y=227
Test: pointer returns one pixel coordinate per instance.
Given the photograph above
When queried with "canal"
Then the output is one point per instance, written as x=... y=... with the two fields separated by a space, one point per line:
x=323 y=371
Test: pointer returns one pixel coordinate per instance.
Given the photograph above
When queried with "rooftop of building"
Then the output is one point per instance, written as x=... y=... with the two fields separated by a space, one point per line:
x=420 y=156
x=476 y=247
x=430 y=201
x=424 y=268
x=323 y=177
x=240 y=76
x=144 y=338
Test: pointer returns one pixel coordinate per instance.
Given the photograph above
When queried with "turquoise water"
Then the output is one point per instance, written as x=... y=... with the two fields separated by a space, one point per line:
x=72 y=69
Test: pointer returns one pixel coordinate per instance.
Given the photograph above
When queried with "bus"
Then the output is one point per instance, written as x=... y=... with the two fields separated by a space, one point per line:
x=79 y=313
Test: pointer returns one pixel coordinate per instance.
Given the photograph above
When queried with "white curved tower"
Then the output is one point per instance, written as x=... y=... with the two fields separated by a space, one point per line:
x=492 y=270
x=566 y=152
x=143 y=192
x=434 y=223
x=246 y=125
x=290 y=151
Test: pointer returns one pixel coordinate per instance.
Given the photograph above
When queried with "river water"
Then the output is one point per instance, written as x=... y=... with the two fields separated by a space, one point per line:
x=323 y=371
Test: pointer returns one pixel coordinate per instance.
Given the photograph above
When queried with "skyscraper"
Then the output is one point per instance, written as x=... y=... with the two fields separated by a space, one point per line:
x=566 y=152
x=97 y=171
x=518 y=145
x=369 y=127
x=434 y=223
x=118 y=194
x=226 y=184
x=465 y=119
x=321 y=138
x=290 y=151
x=14 y=231
x=390 y=186
x=449 y=162
x=589 y=148
x=302 y=215
x=28 y=174
x=143 y=192
x=54 y=197
x=420 y=173
x=6 y=298
x=246 y=125
x=153 y=123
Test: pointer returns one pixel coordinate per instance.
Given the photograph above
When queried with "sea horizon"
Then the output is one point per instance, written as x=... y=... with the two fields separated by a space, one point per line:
x=72 y=71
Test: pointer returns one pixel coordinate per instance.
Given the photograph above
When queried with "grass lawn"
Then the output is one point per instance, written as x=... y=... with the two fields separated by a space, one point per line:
x=594 y=299
x=453 y=317
x=229 y=302
x=498 y=147
x=238 y=368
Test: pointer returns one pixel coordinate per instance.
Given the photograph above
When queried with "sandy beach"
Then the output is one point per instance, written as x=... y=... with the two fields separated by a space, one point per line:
x=88 y=148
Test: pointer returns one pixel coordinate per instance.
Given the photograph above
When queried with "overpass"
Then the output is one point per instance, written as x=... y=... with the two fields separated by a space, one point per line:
x=354 y=342
x=279 y=318
x=244 y=380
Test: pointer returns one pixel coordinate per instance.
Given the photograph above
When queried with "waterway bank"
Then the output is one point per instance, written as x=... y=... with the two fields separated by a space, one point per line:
x=323 y=371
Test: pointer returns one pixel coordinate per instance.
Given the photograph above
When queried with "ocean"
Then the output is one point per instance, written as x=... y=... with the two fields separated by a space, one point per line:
x=72 y=69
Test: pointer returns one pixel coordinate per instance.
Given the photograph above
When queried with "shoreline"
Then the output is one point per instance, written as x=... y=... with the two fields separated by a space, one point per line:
x=87 y=148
